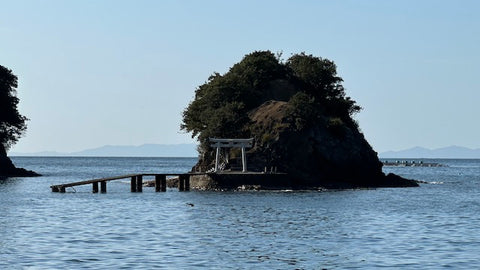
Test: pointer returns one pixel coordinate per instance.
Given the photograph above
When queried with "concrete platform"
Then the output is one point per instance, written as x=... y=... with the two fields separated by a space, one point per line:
x=239 y=180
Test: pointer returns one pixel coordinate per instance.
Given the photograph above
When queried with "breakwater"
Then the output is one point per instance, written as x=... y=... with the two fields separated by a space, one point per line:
x=411 y=163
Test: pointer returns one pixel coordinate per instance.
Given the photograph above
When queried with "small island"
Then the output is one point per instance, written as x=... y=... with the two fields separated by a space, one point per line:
x=12 y=124
x=300 y=119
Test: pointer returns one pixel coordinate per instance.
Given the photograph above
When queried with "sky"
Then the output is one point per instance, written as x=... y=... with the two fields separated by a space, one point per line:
x=98 y=72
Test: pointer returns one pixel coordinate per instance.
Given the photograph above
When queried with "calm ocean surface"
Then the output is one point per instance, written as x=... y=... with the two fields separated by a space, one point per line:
x=431 y=227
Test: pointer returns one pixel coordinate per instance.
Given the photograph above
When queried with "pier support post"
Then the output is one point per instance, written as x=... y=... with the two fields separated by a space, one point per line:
x=133 y=184
x=103 y=187
x=160 y=183
x=244 y=160
x=139 y=183
x=95 y=187
x=62 y=189
x=183 y=182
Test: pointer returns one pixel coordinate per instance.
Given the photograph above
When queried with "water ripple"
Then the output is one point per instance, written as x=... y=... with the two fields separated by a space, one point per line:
x=431 y=227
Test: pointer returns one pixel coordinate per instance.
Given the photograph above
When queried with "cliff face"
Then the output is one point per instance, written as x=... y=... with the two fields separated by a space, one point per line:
x=326 y=153
x=8 y=169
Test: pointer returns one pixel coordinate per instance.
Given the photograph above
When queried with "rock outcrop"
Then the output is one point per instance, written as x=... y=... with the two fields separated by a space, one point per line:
x=8 y=169
x=328 y=153
x=301 y=120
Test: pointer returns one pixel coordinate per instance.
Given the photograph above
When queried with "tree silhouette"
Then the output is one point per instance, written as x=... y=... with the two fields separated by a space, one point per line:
x=222 y=103
x=12 y=123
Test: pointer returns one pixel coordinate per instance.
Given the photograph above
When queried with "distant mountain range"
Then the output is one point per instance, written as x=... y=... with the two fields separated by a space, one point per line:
x=145 y=150
x=445 y=152
x=189 y=150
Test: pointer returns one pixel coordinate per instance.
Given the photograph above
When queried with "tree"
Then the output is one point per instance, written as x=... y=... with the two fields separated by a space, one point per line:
x=12 y=123
x=302 y=110
x=221 y=105
x=318 y=77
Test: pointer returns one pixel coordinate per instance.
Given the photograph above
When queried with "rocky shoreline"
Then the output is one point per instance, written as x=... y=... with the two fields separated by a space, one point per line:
x=237 y=181
x=8 y=169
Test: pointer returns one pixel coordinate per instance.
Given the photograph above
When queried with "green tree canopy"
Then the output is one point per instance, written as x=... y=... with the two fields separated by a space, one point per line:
x=221 y=105
x=318 y=78
x=12 y=124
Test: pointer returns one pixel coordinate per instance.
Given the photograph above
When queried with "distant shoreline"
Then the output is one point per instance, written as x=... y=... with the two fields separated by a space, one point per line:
x=421 y=158
x=411 y=163
x=382 y=159
x=450 y=152
x=67 y=156
x=144 y=150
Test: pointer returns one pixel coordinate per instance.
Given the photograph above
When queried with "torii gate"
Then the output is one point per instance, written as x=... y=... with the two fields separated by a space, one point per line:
x=230 y=143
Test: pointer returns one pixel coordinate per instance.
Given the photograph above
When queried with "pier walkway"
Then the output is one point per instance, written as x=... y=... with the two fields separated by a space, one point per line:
x=136 y=182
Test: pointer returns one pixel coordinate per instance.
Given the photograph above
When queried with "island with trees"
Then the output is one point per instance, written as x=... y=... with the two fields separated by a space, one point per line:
x=299 y=116
x=12 y=124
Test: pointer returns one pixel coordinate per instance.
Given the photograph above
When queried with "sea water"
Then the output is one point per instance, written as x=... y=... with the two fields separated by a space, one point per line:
x=436 y=225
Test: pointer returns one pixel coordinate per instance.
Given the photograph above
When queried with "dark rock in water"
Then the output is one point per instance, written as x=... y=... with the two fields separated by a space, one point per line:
x=393 y=180
x=301 y=121
x=318 y=155
x=7 y=169
x=315 y=157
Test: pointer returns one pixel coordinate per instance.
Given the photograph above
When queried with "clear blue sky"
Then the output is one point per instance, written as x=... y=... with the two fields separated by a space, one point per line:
x=97 y=72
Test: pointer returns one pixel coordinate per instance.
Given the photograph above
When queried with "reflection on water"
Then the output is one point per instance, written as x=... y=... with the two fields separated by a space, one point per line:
x=428 y=227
